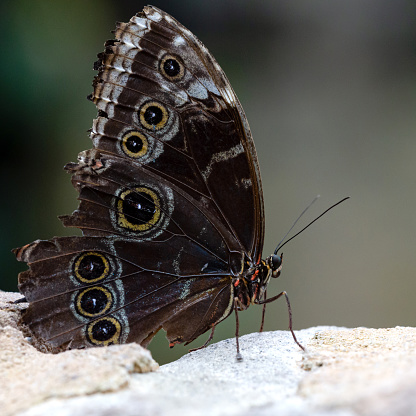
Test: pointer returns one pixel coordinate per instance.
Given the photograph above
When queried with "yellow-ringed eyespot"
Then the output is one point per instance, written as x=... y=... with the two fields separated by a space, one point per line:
x=138 y=209
x=94 y=301
x=134 y=144
x=172 y=68
x=153 y=115
x=91 y=267
x=104 y=331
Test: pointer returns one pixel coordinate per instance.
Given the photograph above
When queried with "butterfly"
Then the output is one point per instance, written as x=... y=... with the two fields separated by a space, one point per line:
x=171 y=205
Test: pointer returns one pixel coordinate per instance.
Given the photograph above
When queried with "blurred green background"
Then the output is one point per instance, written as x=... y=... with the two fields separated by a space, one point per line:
x=329 y=89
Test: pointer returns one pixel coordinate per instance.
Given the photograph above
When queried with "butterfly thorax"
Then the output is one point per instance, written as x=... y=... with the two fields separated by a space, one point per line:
x=250 y=287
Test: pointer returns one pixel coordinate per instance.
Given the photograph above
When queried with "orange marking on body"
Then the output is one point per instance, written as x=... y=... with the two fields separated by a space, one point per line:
x=255 y=274
x=236 y=282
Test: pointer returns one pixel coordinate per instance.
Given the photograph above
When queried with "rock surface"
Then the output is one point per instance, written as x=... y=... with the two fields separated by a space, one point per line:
x=29 y=377
x=371 y=371
x=344 y=372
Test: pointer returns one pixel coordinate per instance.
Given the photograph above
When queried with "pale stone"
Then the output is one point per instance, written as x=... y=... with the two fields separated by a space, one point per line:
x=372 y=371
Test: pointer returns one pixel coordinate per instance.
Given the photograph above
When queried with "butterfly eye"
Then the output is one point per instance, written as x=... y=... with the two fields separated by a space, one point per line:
x=94 y=301
x=153 y=116
x=134 y=144
x=138 y=209
x=172 y=68
x=276 y=262
x=104 y=331
x=91 y=267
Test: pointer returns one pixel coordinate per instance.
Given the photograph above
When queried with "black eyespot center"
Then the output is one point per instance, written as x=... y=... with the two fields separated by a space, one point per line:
x=91 y=267
x=153 y=115
x=138 y=209
x=134 y=144
x=104 y=331
x=172 y=67
x=94 y=301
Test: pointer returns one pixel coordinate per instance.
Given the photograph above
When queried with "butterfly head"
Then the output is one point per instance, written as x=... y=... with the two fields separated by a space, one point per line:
x=275 y=264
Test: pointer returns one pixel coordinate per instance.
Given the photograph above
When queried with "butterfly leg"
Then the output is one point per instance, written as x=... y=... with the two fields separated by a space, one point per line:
x=263 y=314
x=289 y=309
x=211 y=335
x=238 y=357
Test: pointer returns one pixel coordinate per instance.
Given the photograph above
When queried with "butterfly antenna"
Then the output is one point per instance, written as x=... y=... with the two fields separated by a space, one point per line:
x=297 y=219
x=280 y=245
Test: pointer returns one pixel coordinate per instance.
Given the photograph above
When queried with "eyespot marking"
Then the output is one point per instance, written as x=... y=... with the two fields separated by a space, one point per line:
x=153 y=116
x=138 y=209
x=91 y=267
x=104 y=331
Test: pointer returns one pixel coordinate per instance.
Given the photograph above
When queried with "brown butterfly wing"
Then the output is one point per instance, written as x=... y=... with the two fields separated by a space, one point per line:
x=207 y=144
x=170 y=200
x=135 y=298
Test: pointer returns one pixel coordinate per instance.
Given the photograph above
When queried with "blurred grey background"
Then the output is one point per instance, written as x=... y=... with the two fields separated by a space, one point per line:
x=329 y=89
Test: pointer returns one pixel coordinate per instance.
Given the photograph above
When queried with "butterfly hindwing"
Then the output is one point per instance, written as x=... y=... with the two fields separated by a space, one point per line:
x=73 y=292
